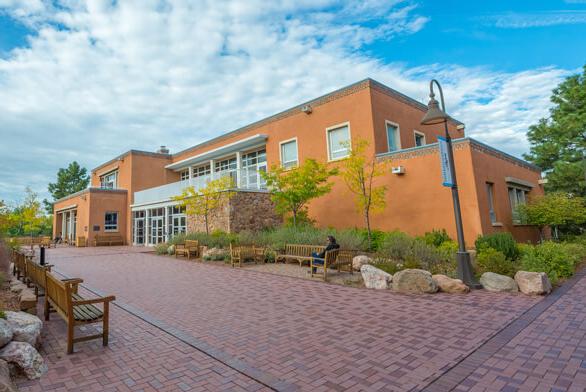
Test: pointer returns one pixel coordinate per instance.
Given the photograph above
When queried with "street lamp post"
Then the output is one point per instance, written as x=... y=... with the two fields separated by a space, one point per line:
x=435 y=115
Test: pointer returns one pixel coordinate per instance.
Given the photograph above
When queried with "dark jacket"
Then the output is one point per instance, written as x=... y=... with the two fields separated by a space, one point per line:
x=329 y=247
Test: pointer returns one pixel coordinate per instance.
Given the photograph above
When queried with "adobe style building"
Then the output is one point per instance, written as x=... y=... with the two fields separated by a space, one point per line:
x=132 y=194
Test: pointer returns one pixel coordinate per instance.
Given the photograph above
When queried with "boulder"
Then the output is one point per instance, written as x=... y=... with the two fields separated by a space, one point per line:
x=214 y=254
x=359 y=261
x=16 y=286
x=5 y=333
x=498 y=283
x=449 y=285
x=28 y=301
x=25 y=327
x=533 y=283
x=171 y=250
x=6 y=384
x=375 y=278
x=414 y=281
x=25 y=357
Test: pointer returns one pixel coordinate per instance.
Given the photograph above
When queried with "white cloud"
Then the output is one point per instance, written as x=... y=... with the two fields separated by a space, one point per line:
x=538 y=19
x=102 y=77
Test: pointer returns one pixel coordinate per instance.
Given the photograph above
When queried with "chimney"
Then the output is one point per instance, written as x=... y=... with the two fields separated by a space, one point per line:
x=163 y=150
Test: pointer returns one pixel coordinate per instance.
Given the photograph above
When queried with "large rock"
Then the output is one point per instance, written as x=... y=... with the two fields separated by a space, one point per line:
x=5 y=333
x=414 y=281
x=359 y=261
x=6 y=383
x=449 y=285
x=28 y=301
x=498 y=283
x=25 y=357
x=215 y=254
x=533 y=283
x=16 y=286
x=25 y=327
x=375 y=278
x=171 y=250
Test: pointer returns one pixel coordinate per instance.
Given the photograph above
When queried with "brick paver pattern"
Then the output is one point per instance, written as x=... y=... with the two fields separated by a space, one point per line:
x=317 y=336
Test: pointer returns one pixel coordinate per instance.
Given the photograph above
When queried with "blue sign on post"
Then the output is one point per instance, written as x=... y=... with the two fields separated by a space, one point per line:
x=447 y=176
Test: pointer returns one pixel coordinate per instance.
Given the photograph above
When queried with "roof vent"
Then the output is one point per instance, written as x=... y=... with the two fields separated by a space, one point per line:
x=163 y=150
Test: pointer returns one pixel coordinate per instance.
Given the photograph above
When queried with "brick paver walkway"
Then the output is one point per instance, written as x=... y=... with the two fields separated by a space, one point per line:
x=311 y=335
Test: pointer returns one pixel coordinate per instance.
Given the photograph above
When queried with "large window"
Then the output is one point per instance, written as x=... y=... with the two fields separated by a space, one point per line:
x=201 y=171
x=517 y=196
x=392 y=136
x=177 y=220
x=109 y=180
x=253 y=163
x=226 y=165
x=111 y=221
x=490 y=196
x=289 y=154
x=338 y=142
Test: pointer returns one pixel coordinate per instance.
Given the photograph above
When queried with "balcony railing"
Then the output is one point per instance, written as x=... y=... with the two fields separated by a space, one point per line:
x=244 y=179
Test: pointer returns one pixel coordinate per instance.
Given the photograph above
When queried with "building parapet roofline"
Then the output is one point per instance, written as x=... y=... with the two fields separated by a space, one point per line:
x=341 y=92
x=469 y=140
x=136 y=152
x=89 y=190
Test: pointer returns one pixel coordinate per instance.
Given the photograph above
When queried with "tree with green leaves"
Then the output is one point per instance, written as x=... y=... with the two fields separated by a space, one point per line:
x=555 y=210
x=359 y=171
x=558 y=143
x=292 y=189
x=4 y=218
x=72 y=179
x=204 y=201
x=31 y=214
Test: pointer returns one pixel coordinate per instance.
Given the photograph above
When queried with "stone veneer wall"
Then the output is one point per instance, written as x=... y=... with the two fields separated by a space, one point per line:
x=245 y=211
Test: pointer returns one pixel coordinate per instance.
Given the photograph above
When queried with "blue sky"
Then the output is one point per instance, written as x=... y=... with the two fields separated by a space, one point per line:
x=86 y=80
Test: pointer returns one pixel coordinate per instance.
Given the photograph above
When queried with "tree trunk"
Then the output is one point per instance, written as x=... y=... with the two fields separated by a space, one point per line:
x=368 y=232
x=294 y=218
x=206 y=222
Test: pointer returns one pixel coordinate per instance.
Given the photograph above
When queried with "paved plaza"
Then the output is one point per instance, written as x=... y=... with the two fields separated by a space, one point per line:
x=184 y=325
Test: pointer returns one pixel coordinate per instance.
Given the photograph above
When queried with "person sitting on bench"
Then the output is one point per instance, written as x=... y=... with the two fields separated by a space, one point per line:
x=319 y=258
x=58 y=239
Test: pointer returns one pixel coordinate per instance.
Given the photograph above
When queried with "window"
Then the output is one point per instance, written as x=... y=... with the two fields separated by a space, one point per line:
x=517 y=196
x=225 y=165
x=338 y=142
x=419 y=139
x=201 y=171
x=393 y=136
x=109 y=180
x=289 y=154
x=111 y=221
x=252 y=164
x=185 y=175
x=490 y=195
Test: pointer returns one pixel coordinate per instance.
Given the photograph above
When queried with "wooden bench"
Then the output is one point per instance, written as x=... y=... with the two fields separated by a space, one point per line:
x=35 y=274
x=62 y=296
x=81 y=242
x=329 y=260
x=300 y=253
x=108 y=239
x=344 y=261
x=19 y=264
x=46 y=242
x=188 y=249
x=242 y=253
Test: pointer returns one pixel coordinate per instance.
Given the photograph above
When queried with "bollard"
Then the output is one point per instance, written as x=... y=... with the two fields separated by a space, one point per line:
x=42 y=260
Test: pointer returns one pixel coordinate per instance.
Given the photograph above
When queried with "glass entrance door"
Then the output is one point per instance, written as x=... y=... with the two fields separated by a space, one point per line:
x=157 y=230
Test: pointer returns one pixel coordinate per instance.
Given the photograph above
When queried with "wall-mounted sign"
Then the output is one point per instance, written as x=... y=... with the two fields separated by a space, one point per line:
x=447 y=175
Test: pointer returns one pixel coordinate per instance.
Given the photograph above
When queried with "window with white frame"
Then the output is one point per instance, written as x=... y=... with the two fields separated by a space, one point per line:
x=253 y=163
x=490 y=197
x=289 y=154
x=419 y=139
x=225 y=165
x=109 y=180
x=185 y=175
x=338 y=142
x=201 y=171
x=111 y=221
x=392 y=136
x=517 y=196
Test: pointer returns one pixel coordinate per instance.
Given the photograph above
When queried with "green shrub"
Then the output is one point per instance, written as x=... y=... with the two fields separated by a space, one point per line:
x=503 y=242
x=161 y=249
x=2 y=314
x=436 y=237
x=492 y=260
x=558 y=260
x=396 y=246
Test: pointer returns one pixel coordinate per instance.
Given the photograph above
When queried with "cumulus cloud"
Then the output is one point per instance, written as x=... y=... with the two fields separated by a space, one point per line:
x=101 y=77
